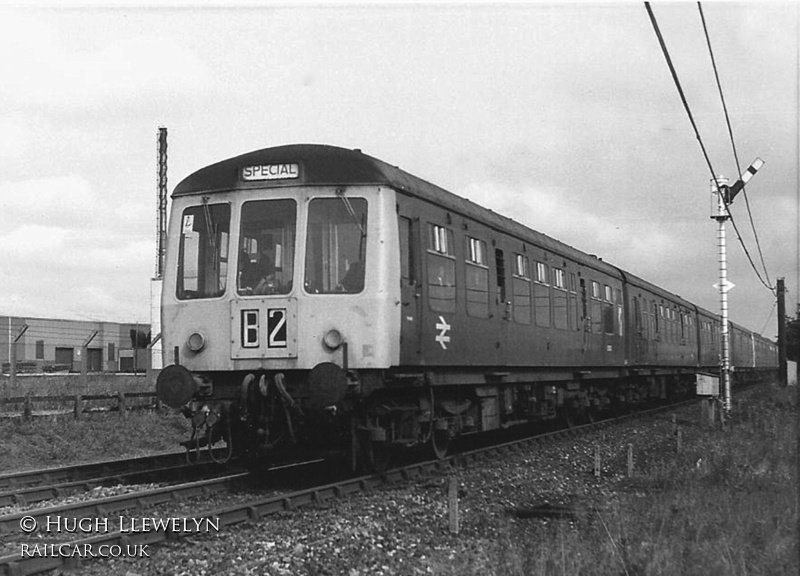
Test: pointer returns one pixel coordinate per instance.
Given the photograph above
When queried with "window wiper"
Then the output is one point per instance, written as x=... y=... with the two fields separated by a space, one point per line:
x=212 y=238
x=351 y=211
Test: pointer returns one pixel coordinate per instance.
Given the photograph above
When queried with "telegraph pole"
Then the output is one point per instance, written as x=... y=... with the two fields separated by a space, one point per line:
x=724 y=195
x=782 y=376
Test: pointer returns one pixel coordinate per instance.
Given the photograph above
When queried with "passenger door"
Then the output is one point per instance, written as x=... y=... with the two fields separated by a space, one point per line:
x=503 y=310
x=410 y=290
x=639 y=335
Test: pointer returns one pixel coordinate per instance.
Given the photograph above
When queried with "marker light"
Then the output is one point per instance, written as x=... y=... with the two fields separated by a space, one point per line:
x=196 y=342
x=332 y=339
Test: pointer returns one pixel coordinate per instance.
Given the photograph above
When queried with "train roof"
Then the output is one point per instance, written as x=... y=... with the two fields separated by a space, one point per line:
x=321 y=165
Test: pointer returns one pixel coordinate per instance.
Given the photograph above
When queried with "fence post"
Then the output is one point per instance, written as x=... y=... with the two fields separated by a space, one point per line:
x=597 y=462
x=78 y=406
x=452 y=502
x=121 y=398
x=630 y=460
x=27 y=408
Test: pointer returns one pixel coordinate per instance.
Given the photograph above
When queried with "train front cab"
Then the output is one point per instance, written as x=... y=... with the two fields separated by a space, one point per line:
x=279 y=358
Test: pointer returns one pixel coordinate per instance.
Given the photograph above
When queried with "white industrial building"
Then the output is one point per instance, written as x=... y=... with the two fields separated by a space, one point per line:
x=54 y=345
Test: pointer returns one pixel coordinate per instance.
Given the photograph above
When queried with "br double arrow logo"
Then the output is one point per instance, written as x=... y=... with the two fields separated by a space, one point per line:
x=442 y=337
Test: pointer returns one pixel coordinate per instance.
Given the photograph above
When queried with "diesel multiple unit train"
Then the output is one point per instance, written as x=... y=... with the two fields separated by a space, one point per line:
x=316 y=296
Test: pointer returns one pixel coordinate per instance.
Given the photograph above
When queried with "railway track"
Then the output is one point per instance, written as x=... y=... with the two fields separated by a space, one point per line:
x=93 y=471
x=113 y=505
x=27 y=495
x=254 y=509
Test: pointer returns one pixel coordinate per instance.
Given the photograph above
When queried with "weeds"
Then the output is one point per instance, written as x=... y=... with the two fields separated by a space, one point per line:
x=52 y=441
x=727 y=505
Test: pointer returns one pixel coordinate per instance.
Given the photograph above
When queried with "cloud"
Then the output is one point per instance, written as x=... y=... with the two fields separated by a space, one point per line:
x=62 y=201
x=31 y=240
x=559 y=215
x=47 y=71
x=17 y=136
x=68 y=251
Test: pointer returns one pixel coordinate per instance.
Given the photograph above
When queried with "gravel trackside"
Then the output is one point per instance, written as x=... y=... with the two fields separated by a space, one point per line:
x=403 y=529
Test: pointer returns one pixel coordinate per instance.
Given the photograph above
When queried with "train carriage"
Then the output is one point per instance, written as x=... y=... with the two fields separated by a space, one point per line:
x=318 y=295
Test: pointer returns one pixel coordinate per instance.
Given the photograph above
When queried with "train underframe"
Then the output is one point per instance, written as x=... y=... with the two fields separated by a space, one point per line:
x=372 y=415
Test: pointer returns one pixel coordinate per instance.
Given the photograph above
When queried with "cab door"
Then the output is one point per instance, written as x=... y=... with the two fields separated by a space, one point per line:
x=410 y=290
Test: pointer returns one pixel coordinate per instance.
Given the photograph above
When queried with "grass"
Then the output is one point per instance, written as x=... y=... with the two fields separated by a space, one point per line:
x=727 y=504
x=45 y=442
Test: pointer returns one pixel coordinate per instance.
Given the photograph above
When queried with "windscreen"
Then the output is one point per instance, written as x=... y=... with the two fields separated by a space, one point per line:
x=266 y=247
x=336 y=245
x=203 y=252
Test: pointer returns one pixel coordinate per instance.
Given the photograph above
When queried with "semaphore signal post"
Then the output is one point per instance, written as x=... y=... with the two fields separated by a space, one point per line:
x=723 y=196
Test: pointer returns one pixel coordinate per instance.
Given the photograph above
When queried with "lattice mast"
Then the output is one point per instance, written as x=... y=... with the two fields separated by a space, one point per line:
x=161 y=233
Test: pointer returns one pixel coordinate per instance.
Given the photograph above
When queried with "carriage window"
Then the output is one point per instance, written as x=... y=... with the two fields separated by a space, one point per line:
x=441 y=269
x=477 y=251
x=521 y=266
x=541 y=295
x=560 y=316
x=521 y=289
x=266 y=247
x=336 y=245
x=203 y=251
x=440 y=240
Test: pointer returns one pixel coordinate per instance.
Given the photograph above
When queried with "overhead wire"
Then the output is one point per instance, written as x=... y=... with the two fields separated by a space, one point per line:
x=768 y=282
x=771 y=312
x=678 y=86
x=676 y=80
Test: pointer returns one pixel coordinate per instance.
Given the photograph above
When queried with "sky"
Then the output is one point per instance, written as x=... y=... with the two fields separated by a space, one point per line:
x=563 y=116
